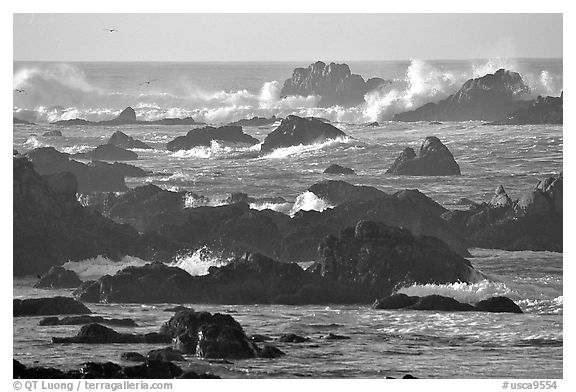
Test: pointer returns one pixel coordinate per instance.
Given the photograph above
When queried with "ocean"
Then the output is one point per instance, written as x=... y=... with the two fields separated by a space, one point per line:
x=383 y=343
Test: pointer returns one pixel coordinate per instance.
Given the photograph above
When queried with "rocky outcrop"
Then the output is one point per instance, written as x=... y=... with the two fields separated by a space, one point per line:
x=52 y=133
x=534 y=222
x=294 y=130
x=441 y=303
x=255 y=121
x=59 y=277
x=99 y=334
x=433 y=159
x=205 y=136
x=335 y=84
x=488 y=98
x=17 y=121
x=120 y=139
x=127 y=117
x=544 y=110
x=340 y=192
x=380 y=257
x=337 y=169
x=107 y=152
x=82 y=320
x=47 y=306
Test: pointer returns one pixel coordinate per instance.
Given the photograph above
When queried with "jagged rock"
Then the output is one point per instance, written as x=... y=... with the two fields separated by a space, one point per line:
x=544 y=110
x=120 y=139
x=99 y=334
x=47 y=306
x=487 y=98
x=52 y=133
x=255 y=121
x=128 y=116
x=132 y=356
x=59 y=277
x=294 y=130
x=204 y=137
x=339 y=192
x=337 y=169
x=500 y=198
x=434 y=159
x=108 y=152
x=81 y=320
x=334 y=83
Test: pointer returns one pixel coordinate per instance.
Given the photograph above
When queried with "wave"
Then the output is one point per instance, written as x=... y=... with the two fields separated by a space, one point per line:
x=309 y=201
x=306 y=149
x=198 y=262
x=33 y=142
x=94 y=268
x=217 y=150
x=63 y=91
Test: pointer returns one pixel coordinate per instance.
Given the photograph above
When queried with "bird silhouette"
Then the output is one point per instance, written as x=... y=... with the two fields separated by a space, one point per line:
x=20 y=91
x=111 y=30
x=148 y=82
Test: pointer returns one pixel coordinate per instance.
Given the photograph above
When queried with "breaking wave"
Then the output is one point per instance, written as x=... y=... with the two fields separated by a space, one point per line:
x=309 y=201
x=306 y=149
x=94 y=268
x=198 y=262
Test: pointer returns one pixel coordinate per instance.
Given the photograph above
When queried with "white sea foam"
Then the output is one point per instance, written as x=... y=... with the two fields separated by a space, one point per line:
x=309 y=201
x=94 y=268
x=33 y=142
x=216 y=149
x=284 y=208
x=197 y=263
x=304 y=149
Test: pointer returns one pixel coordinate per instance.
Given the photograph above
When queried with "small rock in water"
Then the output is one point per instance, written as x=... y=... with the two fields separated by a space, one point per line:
x=292 y=338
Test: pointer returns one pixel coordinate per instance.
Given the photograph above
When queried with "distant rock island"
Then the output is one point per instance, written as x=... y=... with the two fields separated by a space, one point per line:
x=16 y=121
x=128 y=116
x=489 y=98
x=544 y=110
x=256 y=121
x=334 y=83
x=204 y=137
x=433 y=159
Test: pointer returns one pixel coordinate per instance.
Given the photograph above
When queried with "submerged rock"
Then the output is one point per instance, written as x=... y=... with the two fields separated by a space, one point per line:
x=205 y=136
x=487 y=98
x=337 y=169
x=81 y=320
x=120 y=139
x=544 y=110
x=434 y=159
x=59 y=277
x=99 y=334
x=47 y=306
x=294 y=130
x=498 y=304
x=292 y=338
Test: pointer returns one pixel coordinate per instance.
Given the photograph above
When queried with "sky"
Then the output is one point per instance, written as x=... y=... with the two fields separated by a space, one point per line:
x=283 y=37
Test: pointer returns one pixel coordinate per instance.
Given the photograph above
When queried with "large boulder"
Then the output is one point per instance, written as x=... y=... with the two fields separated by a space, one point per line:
x=120 y=139
x=294 y=130
x=488 y=98
x=335 y=84
x=544 y=110
x=339 y=192
x=205 y=136
x=48 y=306
x=81 y=320
x=59 y=277
x=434 y=159
x=380 y=258
x=99 y=334
x=128 y=116
x=337 y=169
x=441 y=303
x=108 y=152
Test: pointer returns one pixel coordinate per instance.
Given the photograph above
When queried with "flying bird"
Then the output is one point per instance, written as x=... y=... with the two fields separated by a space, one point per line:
x=147 y=82
x=20 y=91
x=111 y=30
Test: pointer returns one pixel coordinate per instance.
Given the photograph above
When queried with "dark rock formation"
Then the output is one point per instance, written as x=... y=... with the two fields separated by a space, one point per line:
x=59 y=277
x=292 y=338
x=132 y=356
x=534 y=222
x=47 y=306
x=337 y=169
x=82 y=320
x=294 y=130
x=332 y=336
x=333 y=83
x=107 y=152
x=165 y=354
x=126 y=117
x=173 y=121
x=487 y=98
x=372 y=124
x=17 y=121
x=255 y=122
x=205 y=136
x=441 y=303
x=52 y=133
x=120 y=139
x=99 y=334
x=434 y=159
x=380 y=257
x=339 y=192
x=544 y=110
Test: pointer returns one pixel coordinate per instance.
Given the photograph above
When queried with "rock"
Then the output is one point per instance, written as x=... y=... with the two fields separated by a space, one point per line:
x=165 y=354
x=177 y=309
x=434 y=159
x=333 y=83
x=439 y=302
x=59 y=277
x=294 y=130
x=108 y=152
x=17 y=121
x=533 y=203
x=292 y=338
x=205 y=136
x=464 y=201
x=128 y=116
x=22 y=372
x=498 y=304
x=409 y=377
x=132 y=356
x=99 y=334
x=337 y=192
x=47 y=306
x=120 y=139
x=500 y=198
x=372 y=124
x=255 y=122
x=52 y=133
x=332 y=336
x=154 y=370
x=395 y=301
x=487 y=98
x=94 y=370
x=270 y=351
x=188 y=374
x=81 y=320
x=256 y=338
x=380 y=257
x=435 y=123
x=544 y=110
x=174 y=121
x=209 y=335
x=337 y=169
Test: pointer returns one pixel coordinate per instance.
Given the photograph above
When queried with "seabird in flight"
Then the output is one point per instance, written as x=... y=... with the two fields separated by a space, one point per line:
x=19 y=91
x=147 y=82
x=111 y=30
